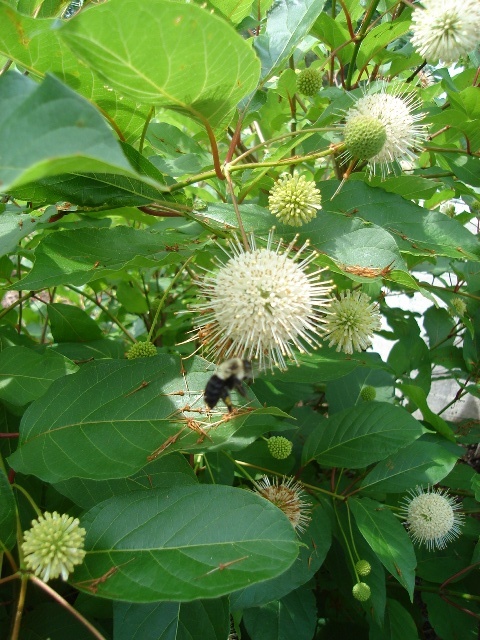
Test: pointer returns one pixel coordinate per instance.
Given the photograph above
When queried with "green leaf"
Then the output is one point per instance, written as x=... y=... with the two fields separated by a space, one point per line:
x=36 y=46
x=81 y=255
x=398 y=624
x=423 y=462
x=117 y=414
x=387 y=538
x=15 y=226
x=316 y=541
x=183 y=544
x=170 y=471
x=295 y=616
x=234 y=10
x=287 y=24
x=346 y=391
x=26 y=375
x=360 y=436
x=418 y=396
x=190 y=60
x=71 y=324
x=8 y=514
x=457 y=625
x=196 y=620
x=55 y=622
x=377 y=39
x=67 y=133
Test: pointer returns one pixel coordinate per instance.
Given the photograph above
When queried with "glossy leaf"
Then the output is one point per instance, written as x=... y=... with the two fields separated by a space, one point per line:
x=116 y=415
x=387 y=538
x=172 y=620
x=183 y=544
x=360 y=436
x=190 y=60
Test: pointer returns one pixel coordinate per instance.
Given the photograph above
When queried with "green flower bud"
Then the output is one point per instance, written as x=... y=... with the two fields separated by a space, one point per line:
x=460 y=307
x=368 y=393
x=294 y=200
x=364 y=136
x=309 y=81
x=279 y=447
x=363 y=568
x=361 y=591
x=141 y=350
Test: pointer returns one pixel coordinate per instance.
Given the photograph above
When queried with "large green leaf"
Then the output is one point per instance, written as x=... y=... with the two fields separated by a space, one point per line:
x=26 y=375
x=8 y=514
x=183 y=544
x=357 y=437
x=189 y=60
x=35 y=45
x=81 y=255
x=15 y=226
x=398 y=624
x=109 y=418
x=423 y=462
x=287 y=24
x=48 y=129
x=196 y=620
x=388 y=539
x=71 y=324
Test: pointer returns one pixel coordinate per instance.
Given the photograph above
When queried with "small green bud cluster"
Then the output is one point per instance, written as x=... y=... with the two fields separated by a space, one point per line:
x=309 y=81
x=141 y=350
x=364 y=136
x=368 y=393
x=460 y=307
x=361 y=591
x=363 y=568
x=279 y=447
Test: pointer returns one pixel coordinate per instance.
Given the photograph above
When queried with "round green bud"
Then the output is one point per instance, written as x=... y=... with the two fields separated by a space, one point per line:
x=363 y=568
x=279 y=447
x=141 y=350
x=368 y=393
x=309 y=81
x=364 y=136
x=294 y=200
x=361 y=591
x=459 y=306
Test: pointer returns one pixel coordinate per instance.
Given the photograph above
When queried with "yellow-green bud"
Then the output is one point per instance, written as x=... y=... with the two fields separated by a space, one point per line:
x=460 y=307
x=363 y=568
x=361 y=591
x=279 y=447
x=294 y=200
x=364 y=136
x=141 y=350
x=309 y=81
x=368 y=393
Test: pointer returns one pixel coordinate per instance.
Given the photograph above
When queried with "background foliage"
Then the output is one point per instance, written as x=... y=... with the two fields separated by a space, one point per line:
x=116 y=126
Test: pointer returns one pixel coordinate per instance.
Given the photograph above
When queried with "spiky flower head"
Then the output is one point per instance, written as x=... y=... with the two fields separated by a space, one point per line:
x=261 y=303
x=287 y=495
x=141 y=350
x=53 y=546
x=446 y=29
x=363 y=568
x=279 y=447
x=309 y=81
x=368 y=393
x=361 y=591
x=383 y=116
x=351 y=321
x=459 y=306
x=294 y=200
x=433 y=517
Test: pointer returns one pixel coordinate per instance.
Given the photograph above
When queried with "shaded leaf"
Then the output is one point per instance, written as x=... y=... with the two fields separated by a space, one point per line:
x=8 y=514
x=71 y=324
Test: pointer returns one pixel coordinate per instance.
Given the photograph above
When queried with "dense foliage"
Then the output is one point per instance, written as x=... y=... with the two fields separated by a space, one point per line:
x=147 y=150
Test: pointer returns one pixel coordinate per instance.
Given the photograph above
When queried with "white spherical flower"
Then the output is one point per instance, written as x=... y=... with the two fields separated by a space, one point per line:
x=351 y=321
x=53 y=546
x=294 y=200
x=446 y=29
x=287 y=496
x=392 y=124
x=263 y=302
x=432 y=517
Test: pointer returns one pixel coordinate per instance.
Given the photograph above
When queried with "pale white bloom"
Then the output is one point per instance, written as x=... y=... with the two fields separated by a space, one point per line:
x=446 y=29
x=287 y=495
x=53 y=546
x=294 y=200
x=399 y=131
x=263 y=302
x=351 y=321
x=432 y=517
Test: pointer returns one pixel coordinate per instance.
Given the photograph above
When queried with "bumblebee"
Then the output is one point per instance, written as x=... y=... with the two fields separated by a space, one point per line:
x=229 y=375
